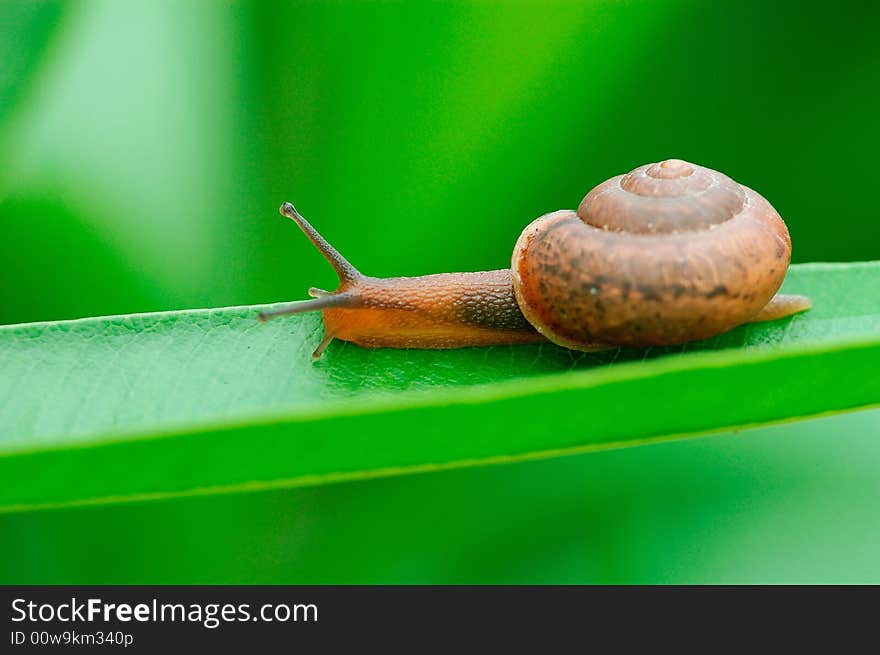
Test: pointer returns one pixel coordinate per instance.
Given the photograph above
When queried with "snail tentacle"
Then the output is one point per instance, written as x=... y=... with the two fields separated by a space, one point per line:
x=344 y=299
x=343 y=268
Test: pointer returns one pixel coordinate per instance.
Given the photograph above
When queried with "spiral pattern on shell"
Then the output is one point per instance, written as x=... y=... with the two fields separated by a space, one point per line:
x=668 y=253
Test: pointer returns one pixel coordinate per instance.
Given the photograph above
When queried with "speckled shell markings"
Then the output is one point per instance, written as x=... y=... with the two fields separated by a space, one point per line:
x=669 y=253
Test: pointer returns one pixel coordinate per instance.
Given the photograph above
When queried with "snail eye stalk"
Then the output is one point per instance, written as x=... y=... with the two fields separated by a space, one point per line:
x=343 y=268
x=331 y=300
x=346 y=296
x=348 y=275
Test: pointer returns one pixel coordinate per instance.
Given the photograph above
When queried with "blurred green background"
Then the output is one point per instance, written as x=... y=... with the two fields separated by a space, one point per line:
x=145 y=147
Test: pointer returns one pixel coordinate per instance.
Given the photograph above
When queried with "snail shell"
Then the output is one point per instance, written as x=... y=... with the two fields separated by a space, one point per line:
x=669 y=253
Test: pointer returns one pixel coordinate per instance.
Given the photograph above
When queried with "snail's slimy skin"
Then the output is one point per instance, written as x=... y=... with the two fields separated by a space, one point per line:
x=669 y=253
x=447 y=310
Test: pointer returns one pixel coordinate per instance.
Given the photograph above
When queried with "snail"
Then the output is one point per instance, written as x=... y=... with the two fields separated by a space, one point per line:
x=669 y=253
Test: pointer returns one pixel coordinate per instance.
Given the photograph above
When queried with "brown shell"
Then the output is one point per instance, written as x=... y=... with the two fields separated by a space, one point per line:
x=669 y=253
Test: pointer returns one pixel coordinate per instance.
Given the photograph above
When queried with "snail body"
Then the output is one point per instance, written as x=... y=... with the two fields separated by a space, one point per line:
x=668 y=253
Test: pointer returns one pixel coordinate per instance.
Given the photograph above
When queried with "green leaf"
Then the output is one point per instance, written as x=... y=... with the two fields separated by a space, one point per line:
x=210 y=401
